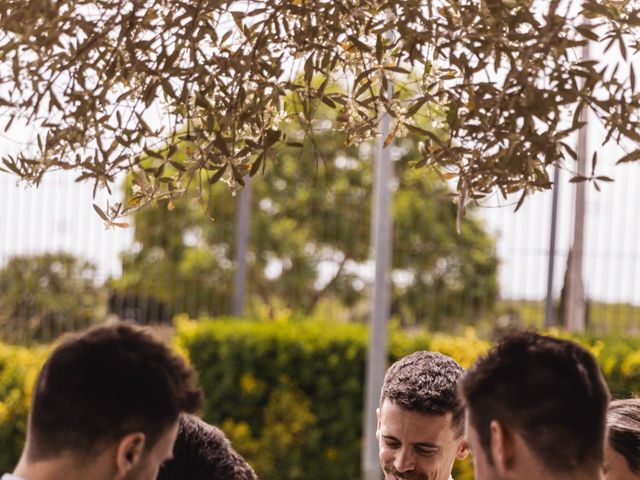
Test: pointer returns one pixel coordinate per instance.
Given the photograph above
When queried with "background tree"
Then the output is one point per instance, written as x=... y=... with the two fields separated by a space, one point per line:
x=104 y=81
x=42 y=296
x=309 y=237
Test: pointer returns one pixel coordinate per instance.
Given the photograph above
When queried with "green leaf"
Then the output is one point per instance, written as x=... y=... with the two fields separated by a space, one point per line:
x=379 y=48
x=101 y=213
x=308 y=70
x=271 y=138
x=221 y=143
x=604 y=178
x=327 y=101
x=236 y=174
x=255 y=166
x=152 y=153
x=521 y=201
x=586 y=30
x=578 y=179
x=630 y=157
x=422 y=131
x=218 y=175
x=178 y=166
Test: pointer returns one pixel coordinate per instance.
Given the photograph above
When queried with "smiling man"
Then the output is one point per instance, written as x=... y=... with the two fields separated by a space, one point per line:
x=420 y=418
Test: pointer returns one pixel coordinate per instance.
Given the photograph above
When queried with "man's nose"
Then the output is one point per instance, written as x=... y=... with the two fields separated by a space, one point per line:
x=404 y=461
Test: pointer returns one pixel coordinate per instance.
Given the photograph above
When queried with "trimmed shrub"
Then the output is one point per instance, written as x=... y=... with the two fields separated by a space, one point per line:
x=19 y=367
x=290 y=394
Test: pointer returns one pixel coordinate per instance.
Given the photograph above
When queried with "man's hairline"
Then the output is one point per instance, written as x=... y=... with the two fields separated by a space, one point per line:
x=432 y=414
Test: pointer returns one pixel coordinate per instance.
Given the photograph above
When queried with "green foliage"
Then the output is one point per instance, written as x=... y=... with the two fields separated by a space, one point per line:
x=301 y=379
x=18 y=370
x=314 y=374
x=42 y=296
x=619 y=357
x=90 y=81
x=309 y=224
x=290 y=394
x=603 y=319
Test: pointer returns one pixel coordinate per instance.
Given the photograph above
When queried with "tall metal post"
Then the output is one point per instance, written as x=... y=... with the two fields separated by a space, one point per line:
x=242 y=242
x=575 y=311
x=549 y=317
x=380 y=300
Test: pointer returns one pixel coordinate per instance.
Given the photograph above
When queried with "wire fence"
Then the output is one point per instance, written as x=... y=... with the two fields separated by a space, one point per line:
x=309 y=252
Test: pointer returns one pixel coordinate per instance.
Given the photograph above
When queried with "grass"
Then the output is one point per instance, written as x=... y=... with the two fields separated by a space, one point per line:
x=620 y=318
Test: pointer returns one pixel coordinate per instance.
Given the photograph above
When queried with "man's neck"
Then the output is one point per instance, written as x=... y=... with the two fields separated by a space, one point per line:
x=64 y=467
x=584 y=475
x=588 y=474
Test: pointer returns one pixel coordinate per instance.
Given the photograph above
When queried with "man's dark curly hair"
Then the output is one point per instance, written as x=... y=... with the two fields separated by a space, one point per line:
x=426 y=382
x=203 y=452
x=548 y=390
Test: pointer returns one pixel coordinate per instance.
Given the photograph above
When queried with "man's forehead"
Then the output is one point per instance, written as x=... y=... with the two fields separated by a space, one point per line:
x=417 y=426
x=389 y=405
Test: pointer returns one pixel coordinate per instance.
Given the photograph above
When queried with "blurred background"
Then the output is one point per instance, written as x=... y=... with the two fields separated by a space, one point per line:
x=269 y=292
x=307 y=247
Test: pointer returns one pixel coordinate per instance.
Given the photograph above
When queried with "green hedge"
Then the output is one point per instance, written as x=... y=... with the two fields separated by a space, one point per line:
x=289 y=394
x=19 y=367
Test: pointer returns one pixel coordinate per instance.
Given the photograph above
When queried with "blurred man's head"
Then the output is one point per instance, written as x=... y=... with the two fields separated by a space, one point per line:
x=202 y=452
x=622 y=447
x=106 y=403
x=535 y=409
x=421 y=419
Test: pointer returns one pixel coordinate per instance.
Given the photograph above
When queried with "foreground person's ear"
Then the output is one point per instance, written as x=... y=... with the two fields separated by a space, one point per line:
x=130 y=450
x=463 y=450
x=502 y=447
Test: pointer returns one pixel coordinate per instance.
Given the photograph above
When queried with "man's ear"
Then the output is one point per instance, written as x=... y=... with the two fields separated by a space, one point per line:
x=463 y=450
x=129 y=452
x=502 y=447
x=378 y=427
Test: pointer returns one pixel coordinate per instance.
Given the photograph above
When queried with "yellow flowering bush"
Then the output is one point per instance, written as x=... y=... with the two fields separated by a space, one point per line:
x=289 y=393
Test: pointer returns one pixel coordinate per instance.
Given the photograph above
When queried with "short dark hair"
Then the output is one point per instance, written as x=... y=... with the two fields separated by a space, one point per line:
x=426 y=382
x=202 y=451
x=623 y=423
x=550 y=391
x=101 y=385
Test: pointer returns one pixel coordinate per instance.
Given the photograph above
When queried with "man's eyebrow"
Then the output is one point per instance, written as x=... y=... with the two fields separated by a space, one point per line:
x=429 y=445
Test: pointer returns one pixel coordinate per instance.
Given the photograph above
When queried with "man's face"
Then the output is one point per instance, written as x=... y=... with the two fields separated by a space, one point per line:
x=482 y=468
x=149 y=465
x=416 y=446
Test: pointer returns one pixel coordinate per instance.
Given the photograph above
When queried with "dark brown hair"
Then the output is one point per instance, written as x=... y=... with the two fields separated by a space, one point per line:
x=103 y=384
x=549 y=390
x=426 y=382
x=623 y=422
x=203 y=452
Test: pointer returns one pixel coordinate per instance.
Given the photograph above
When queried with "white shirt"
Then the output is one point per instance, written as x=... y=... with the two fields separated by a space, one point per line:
x=8 y=476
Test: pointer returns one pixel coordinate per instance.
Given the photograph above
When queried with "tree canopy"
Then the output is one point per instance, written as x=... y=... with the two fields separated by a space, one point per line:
x=104 y=82
x=44 y=295
x=309 y=241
